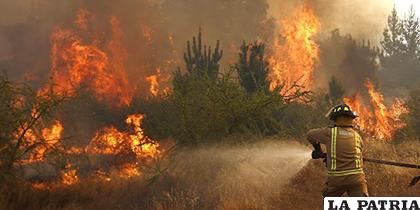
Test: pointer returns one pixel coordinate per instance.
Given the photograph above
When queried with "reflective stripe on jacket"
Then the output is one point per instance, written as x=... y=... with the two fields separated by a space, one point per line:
x=344 y=149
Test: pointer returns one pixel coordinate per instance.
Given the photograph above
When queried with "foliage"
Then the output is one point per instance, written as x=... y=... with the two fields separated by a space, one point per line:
x=414 y=116
x=392 y=42
x=411 y=34
x=298 y=118
x=252 y=67
x=401 y=50
x=200 y=62
x=22 y=112
x=161 y=121
x=210 y=109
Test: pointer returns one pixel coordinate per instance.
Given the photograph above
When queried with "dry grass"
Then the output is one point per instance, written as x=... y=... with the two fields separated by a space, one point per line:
x=265 y=175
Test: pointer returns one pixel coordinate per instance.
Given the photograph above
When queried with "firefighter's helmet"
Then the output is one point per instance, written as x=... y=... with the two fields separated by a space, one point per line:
x=341 y=110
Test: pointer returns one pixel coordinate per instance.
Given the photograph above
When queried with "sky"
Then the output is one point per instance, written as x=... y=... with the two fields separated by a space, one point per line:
x=404 y=5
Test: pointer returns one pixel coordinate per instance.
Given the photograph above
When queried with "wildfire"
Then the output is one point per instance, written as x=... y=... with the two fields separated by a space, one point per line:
x=82 y=19
x=132 y=148
x=129 y=170
x=82 y=61
x=76 y=64
x=68 y=175
x=382 y=122
x=112 y=141
x=48 y=140
x=158 y=82
x=293 y=62
x=154 y=85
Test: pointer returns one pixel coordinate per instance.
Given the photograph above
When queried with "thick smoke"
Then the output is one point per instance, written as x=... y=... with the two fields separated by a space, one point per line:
x=27 y=25
x=155 y=32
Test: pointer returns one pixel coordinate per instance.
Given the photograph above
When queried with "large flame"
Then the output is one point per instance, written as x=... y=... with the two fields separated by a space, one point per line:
x=114 y=142
x=293 y=62
x=382 y=122
x=133 y=148
x=69 y=175
x=76 y=64
x=42 y=144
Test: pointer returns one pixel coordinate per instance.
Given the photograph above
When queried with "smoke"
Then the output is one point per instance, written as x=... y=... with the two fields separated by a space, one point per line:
x=155 y=31
x=362 y=19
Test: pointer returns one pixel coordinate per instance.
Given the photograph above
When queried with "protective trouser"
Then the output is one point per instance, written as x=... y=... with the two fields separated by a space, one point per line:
x=352 y=190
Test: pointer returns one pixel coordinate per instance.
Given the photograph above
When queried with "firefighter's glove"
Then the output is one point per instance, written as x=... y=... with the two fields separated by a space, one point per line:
x=318 y=154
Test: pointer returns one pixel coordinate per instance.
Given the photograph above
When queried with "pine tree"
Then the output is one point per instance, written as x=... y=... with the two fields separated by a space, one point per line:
x=392 y=42
x=411 y=34
x=202 y=62
x=252 y=67
x=401 y=50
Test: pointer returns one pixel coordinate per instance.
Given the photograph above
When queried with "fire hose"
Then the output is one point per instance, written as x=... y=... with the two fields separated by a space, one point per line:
x=318 y=154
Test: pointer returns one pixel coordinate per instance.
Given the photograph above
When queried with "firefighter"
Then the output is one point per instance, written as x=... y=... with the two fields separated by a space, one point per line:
x=343 y=158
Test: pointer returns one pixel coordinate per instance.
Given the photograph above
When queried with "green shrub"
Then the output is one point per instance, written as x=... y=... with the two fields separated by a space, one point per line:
x=209 y=109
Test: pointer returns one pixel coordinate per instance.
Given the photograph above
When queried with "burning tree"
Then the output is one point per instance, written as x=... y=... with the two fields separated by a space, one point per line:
x=24 y=137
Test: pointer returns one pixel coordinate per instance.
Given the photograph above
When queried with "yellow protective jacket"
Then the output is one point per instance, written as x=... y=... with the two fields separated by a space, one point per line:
x=344 y=148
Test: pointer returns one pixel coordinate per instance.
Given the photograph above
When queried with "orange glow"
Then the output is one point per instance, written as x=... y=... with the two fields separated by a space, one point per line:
x=129 y=170
x=112 y=141
x=380 y=121
x=293 y=62
x=82 y=19
x=49 y=140
x=147 y=33
x=76 y=64
x=69 y=176
x=153 y=89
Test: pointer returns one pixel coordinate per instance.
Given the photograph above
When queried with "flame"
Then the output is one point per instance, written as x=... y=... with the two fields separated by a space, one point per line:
x=154 y=85
x=82 y=19
x=76 y=64
x=156 y=80
x=53 y=135
x=293 y=62
x=68 y=175
x=129 y=170
x=49 y=140
x=39 y=185
x=114 y=142
x=381 y=122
